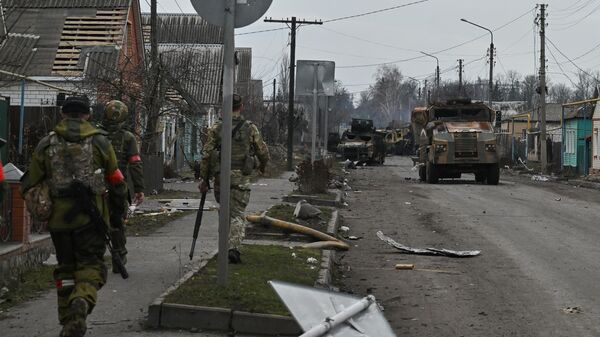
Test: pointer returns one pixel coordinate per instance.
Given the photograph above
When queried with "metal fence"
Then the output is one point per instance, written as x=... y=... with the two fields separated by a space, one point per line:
x=6 y=217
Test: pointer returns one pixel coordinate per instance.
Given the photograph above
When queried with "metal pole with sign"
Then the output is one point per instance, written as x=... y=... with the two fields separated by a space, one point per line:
x=229 y=14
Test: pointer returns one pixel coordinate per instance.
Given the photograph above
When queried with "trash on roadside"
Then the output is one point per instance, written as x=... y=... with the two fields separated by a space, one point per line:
x=524 y=165
x=348 y=164
x=344 y=229
x=304 y=210
x=416 y=167
x=405 y=266
x=347 y=187
x=293 y=178
x=539 y=178
x=407 y=178
x=294 y=255
x=426 y=251
x=558 y=199
x=407 y=203
x=572 y=310
x=352 y=237
x=50 y=261
x=311 y=260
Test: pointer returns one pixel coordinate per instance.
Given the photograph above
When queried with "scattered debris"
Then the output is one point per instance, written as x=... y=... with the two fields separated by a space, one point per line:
x=293 y=178
x=311 y=260
x=347 y=187
x=348 y=164
x=405 y=266
x=407 y=178
x=525 y=165
x=558 y=199
x=344 y=229
x=304 y=210
x=416 y=167
x=4 y=292
x=51 y=261
x=352 y=237
x=572 y=310
x=407 y=203
x=426 y=251
x=539 y=178
x=294 y=255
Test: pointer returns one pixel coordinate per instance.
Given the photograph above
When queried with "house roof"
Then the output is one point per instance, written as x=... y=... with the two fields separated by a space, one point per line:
x=64 y=29
x=195 y=71
x=244 y=66
x=16 y=53
x=553 y=112
x=183 y=28
x=585 y=111
x=66 y=3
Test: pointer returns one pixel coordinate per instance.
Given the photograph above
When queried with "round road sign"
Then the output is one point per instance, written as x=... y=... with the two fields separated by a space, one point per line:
x=246 y=11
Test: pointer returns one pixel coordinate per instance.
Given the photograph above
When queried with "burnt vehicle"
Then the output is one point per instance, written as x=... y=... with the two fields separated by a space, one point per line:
x=362 y=143
x=455 y=137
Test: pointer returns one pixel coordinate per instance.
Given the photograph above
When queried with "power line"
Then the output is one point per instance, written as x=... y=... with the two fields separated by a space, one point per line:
x=561 y=68
x=376 y=11
x=571 y=61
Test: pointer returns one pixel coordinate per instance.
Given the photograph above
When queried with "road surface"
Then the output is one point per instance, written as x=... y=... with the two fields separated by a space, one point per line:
x=540 y=245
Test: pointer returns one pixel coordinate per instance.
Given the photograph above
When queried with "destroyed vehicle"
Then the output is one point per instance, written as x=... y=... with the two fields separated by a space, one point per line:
x=362 y=143
x=456 y=137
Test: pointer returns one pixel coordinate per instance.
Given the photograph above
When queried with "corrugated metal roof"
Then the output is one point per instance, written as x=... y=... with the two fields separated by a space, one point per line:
x=244 y=67
x=183 y=28
x=16 y=53
x=66 y=3
x=195 y=71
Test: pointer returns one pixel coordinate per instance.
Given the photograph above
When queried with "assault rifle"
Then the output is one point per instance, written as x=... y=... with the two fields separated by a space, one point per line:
x=86 y=205
x=198 y=220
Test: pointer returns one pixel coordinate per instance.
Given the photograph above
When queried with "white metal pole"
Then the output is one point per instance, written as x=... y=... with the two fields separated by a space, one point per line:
x=331 y=322
x=225 y=174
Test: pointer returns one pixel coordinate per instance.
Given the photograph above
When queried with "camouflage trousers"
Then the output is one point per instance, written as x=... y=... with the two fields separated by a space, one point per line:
x=81 y=271
x=239 y=198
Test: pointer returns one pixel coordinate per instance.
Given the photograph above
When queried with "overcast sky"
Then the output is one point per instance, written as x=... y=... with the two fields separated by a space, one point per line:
x=434 y=25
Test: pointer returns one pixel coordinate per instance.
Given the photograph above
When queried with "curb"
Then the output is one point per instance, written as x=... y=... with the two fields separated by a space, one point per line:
x=337 y=202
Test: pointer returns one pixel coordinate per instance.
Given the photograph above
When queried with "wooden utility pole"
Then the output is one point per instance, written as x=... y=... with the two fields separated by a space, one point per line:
x=544 y=154
x=460 y=75
x=294 y=22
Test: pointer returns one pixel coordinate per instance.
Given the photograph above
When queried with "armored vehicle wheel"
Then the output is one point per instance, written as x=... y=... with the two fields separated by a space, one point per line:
x=422 y=173
x=431 y=174
x=493 y=174
x=480 y=177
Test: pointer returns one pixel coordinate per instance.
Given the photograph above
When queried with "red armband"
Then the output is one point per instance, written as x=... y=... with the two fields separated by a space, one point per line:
x=1 y=172
x=115 y=178
x=134 y=158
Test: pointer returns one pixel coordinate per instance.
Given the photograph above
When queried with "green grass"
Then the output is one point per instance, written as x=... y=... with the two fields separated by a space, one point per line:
x=141 y=225
x=247 y=288
x=31 y=284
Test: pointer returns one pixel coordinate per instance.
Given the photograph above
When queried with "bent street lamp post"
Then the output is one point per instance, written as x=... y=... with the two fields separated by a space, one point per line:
x=491 y=84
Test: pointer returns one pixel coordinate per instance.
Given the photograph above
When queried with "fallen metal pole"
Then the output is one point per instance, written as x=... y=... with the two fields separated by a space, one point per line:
x=331 y=322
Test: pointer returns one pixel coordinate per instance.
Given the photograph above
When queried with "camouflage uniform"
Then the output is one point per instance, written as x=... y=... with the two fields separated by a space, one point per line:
x=2 y=183
x=128 y=157
x=246 y=141
x=79 y=246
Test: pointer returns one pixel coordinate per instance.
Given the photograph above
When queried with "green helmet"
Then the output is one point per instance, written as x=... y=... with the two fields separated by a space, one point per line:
x=115 y=112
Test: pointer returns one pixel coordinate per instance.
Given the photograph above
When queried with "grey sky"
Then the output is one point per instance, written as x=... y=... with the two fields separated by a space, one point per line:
x=573 y=25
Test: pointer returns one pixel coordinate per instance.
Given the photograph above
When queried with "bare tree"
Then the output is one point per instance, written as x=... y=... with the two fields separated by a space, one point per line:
x=560 y=93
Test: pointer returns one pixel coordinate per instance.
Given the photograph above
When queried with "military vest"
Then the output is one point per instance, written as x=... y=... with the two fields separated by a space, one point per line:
x=242 y=152
x=73 y=161
x=117 y=140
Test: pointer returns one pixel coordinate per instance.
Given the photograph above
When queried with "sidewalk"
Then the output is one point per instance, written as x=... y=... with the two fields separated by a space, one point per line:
x=155 y=262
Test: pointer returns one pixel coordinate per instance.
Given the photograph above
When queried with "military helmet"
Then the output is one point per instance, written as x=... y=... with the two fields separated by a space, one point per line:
x=237 y=101
x=115 y=112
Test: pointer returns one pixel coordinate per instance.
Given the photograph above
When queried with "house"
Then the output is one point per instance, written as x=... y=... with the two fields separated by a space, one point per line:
x=596 y=140
x=191 y=51
x=93 y=47
x=577 y=135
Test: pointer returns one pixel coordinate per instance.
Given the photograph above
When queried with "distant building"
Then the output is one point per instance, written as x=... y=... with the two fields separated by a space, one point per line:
x=596 y=140
x=578 y=134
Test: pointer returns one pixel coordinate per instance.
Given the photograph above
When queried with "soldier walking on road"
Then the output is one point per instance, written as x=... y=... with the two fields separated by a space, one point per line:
x=75 y=152
x=248 y=152
x=130 y=162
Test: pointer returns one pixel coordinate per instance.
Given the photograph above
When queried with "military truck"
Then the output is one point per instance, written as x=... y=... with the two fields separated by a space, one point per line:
x=455 y=137
x=362 y=143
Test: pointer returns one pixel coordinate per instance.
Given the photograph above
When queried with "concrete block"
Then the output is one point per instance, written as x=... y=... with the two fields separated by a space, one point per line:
x=263 y=324
x=183 y=316
x=154 y=311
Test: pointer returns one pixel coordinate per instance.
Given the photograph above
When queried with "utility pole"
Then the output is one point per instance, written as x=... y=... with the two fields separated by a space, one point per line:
x=544 y=155
x=426 y=93
x=460 y=75
x=491 y=52
x=294 y=22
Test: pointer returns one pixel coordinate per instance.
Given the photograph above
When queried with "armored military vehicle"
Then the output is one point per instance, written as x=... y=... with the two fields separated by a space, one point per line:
x=455 y=137
x=362 y=143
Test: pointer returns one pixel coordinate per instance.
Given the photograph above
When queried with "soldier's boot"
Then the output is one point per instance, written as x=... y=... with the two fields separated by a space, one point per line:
x=76 y=324
x=234 y=256
x=115 y=270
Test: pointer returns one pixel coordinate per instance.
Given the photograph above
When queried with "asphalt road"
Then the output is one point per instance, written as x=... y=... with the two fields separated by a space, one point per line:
x=540 y=245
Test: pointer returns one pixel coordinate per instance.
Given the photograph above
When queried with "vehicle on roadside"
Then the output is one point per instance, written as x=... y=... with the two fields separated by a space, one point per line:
x=455 y=137
x=362 y=143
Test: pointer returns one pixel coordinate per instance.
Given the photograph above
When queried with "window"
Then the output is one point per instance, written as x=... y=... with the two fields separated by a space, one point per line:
x=570 y=141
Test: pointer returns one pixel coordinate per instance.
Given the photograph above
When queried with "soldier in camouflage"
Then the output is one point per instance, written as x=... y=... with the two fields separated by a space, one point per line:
x=76 y=151
x=128 y=157
x=2 y=183
x=248 y=152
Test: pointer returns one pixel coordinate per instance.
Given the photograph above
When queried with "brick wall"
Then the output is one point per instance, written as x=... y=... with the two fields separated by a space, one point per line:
x=21 y=220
